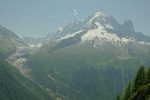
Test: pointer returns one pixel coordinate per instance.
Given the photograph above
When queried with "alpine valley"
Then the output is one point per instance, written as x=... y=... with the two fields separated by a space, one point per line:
x=93 y=59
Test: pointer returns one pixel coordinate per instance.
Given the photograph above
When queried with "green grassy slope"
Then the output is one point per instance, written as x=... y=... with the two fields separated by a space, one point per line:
x=13 y=86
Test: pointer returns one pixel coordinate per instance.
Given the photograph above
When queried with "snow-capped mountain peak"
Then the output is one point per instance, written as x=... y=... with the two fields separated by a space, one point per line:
x=101 y=19
x=96 y=15
x=99 y=14
x=100 y=29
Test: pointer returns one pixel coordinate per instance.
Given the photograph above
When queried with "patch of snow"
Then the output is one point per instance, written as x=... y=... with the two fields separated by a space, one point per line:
x=126 y=40
x=109 y=26
x=20 y=36
x=98 y=14
x=144 y=43
x=100 y=35
x=95 y=45
x=21 y=60
x=39 y=45
x=97 y=23
x=14 y=40
x=70 y=35
x=35 y=45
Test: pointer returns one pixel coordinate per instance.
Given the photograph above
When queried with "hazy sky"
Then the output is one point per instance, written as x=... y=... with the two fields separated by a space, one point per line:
x=45 y=16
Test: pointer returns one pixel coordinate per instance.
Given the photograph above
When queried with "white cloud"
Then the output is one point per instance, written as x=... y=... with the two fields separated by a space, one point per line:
x=75 y=12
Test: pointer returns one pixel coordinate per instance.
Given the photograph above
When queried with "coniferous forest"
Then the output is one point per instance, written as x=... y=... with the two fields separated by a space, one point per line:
x=139 y=88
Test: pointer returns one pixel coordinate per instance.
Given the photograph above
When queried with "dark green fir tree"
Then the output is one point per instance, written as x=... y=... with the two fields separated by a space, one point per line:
x=148 y=76
x=139 y=80
x=128 y=92
x=118 y=97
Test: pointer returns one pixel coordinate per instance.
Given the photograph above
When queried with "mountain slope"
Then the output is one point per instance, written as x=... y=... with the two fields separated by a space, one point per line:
x=13 y=85
x=93 y=60
x=8 y=42
x=16 y=87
